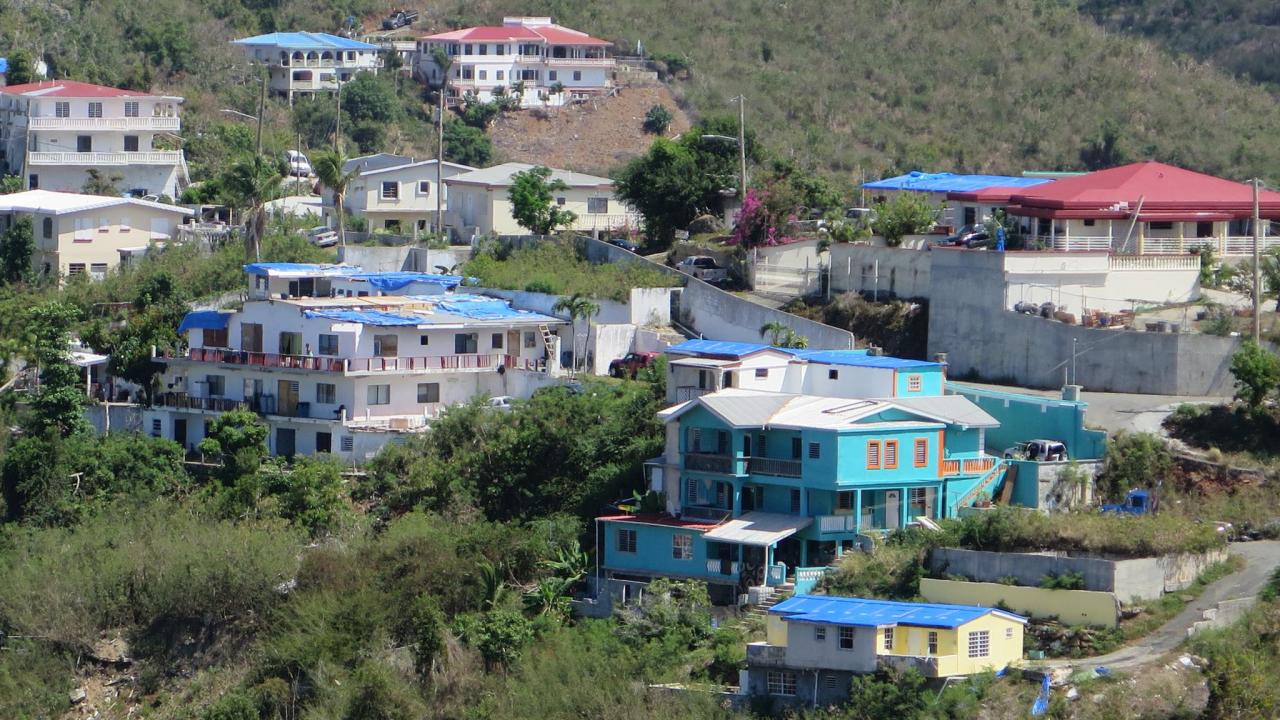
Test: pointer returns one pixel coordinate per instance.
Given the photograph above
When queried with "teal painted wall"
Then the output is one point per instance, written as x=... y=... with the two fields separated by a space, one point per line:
x=653 y=550
x=963 y=443
x=853 y=456
x=1028 y=417
x=931 y=382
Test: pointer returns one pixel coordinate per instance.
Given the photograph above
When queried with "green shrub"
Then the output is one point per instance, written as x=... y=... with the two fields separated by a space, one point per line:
x=657 y=120
x=1063 y=581
x=1133 y=460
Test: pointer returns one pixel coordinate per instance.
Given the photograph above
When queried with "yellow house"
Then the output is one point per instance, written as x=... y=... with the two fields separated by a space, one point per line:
x=816 y=643
x=479 y=202
x=76 y=234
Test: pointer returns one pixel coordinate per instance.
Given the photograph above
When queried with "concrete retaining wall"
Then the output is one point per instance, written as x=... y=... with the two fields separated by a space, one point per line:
x=898 y=272
x=123 y=417
x=1071 y=607
x=1130 y=580
x=720 y=315
x=397 y=259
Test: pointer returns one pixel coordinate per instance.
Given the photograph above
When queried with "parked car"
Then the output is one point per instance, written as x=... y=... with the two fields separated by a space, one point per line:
x=399 y=18
x=704 y=268
x=322 y=236
x=860 y=213
x=1137 y=502
x=630 y=364
x=624 y=243
x=1038 y=450
x=299 y=165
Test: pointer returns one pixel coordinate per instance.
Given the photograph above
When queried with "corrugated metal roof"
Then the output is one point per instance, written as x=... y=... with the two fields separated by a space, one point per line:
x=859 y=358
x=306 y=40
x=718 y=347
x=70 y=89
x=60 y=203
x=501 y=176
x=759 y=528
x=951 y=182
x=761 y=408
x=955 y=409
x=861 y=612
x=286 y=270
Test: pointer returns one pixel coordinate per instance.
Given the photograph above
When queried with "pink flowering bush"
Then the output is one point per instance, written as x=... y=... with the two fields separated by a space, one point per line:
x=759 y=224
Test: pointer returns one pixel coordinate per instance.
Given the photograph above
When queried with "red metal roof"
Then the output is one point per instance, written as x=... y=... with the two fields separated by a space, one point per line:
x=993 y=195
x=662 y=519
x=1161 y=188
x=69 y=89
x=553 y=34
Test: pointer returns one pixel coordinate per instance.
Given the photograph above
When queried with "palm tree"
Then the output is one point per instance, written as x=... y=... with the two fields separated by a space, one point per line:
x=578 y=306
x=775 y=330
x=250 y=184
x=330 y=169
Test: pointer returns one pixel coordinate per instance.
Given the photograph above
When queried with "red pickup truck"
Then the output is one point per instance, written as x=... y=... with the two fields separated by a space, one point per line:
x=630 y=365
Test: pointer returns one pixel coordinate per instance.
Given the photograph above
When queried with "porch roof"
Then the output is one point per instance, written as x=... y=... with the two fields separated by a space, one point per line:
x=759 y=528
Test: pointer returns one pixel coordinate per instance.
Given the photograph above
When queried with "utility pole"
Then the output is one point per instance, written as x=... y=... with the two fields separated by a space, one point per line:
x=1257 y=266
x=337 y=128
x=262 y=107
x=440 y=164
x=742 y=147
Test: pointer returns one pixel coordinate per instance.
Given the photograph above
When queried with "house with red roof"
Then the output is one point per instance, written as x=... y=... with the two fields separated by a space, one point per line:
x=544 y=63
x=53 y=132
x=1145 y=208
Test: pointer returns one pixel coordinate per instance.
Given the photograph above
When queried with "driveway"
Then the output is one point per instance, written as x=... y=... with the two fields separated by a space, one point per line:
x=1261 y=559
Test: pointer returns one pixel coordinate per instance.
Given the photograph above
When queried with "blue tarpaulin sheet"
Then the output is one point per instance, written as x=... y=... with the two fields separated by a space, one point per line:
x=392 y=281
x=204 y=320
x=951 y=182
x=479 y=307
x=367 y=317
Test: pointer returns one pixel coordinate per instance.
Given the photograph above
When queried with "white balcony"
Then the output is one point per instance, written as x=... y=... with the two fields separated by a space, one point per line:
x=605 y=62
x=837 y=523
x=162 y=124
x=153 y=157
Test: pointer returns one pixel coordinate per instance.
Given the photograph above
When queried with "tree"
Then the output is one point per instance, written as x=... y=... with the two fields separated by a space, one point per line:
x=1104 y=151
x=907 y=213
x=533 y=205
x=428 y=626
x=1256 y=372
x=578 y=306
x=101 y=184
x=370 y=97
x=466 y=145
x=330 y=169
x=657 y=120
x=250 y=184
x=775 y=330
x=1133 y=460
x=16 y=245
x=887 y=694
x=1270 y=272
x=22 y=68
x=500 y=636
x=57 y=406
x=239 y=439
x=315 y=119
x=10 y=184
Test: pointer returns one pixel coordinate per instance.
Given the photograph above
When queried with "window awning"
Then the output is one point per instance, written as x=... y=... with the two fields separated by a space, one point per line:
x=759 y=528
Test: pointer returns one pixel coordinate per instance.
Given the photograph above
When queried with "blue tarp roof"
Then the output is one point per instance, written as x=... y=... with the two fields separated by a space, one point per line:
x=481 y=307
x=719 y=347
x=306 y=41
x=204 y=320
x=860 y=358
x=282 y=269
x=860 y=612
x=951 y=182
x=392 y=281
x=368 y=317
x=4 y=65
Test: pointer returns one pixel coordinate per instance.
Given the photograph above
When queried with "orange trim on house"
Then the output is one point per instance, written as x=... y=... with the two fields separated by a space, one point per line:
x=920 y=453
x=890 y=458
x=940 y=457
x=878 y=457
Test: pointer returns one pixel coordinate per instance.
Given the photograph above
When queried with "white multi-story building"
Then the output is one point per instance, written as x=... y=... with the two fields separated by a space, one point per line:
x=306 y=62
x=551 y=64
x=340 y=361
x=54 y=131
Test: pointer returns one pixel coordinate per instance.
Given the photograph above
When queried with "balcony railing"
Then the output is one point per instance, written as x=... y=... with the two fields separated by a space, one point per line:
x=773 y=466
x=762 y=654
x=183 y=401
x=723 y=464
x=171 y=124
x=267 y=360
x=686 y=393
x=706 y=512
x=154 y=157
x=581 y=61
x=1155 y=262
x=437 y=363
x=776 y=574
x=722 y=567
x=968 y=466
x=837 y=523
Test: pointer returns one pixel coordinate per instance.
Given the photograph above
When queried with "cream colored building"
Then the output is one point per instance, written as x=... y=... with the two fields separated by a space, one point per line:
x=394 y=194
x=77 y=234
x=480 y=203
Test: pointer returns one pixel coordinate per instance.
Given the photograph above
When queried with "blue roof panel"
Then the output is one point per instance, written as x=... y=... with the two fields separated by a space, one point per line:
x=204 y=320
x=861 y=612
x=367 y=317
x=860 y=358
x=392 y=281
x=482 y=307
x=282 y=269
x=951 y=182
x=306 y=41
x=719 y=347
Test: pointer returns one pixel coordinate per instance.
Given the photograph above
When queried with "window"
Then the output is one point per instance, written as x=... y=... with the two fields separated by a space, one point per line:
x=1008 y=633
x=873 y=454
x=761 y=445
x=577 y=75
x=682 y=546
x=1204 y=229
x=626 y=540
x=326 y=393
x=890 y=454
x=560 y=201
x=846 y=638
x=33 y=181
x=781 y=682
x=468 y=72
x=815 y=451
x=390 y=190
x=819 y=633
x=75 y=269
x=691 y=491
x=217 y=385
x=84 y=143
x=466 y=49
x=328 y=344
x=214 y=337
x=290 y=343
x=499 y=49
x=62 y=109
x=155 y=427
x=598 y=205
x=795 y=501
x=844 y=500
x=379 y=395
x=795 y=448
x=530 y=339
x=921 y=452
x=762 y=372
x=551 y=75
x=385 y=345
x=348 y=443
x=833 y=374
x=46 y=227
x=933 y=642
x=391 y=226
x=98 y=270
x=131 y=143
x=95 y=109
x=429 y=392
x=484 y=50
x=501 y=74
x=1161 y=225
x=1090 y=222
x=424 y=187
x=970 y=215
x=914 y=383
x=424 y=340
x=888 y=639
x=131 y=108
x=483 y=74
x=324 y=442
x=465 y=343
x=918 y=498
x=980 y=643
x=495 y=341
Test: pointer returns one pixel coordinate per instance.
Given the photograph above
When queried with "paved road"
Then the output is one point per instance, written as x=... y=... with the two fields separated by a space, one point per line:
x=1261 y=559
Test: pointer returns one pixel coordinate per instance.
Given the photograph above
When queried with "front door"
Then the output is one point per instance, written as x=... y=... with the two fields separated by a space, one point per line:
x=180 y=431
x=286 y=397
x=891 y=500
x=753 y=565
x=285 y=445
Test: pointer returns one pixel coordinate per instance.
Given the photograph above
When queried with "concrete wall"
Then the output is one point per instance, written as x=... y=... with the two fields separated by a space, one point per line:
x=396 y=259
x=1071 y=607
x=1048 y=486
x=802 y=255
x=123 y=417
x=1129 y=580
x=902 y=272
x=717 y=314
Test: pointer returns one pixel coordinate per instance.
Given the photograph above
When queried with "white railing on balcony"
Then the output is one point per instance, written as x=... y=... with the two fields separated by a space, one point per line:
x=606 y=222
x=114 y=123
x=580 y=61
x=688 y=392
x=1243 y=244
x=773 y=466
x=837 y=523
x=1077 y=243
x=154 y=157
x=722 y=567
x=1185 y=261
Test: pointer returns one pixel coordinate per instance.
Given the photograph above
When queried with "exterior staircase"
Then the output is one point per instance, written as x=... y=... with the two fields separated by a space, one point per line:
x=776 y=595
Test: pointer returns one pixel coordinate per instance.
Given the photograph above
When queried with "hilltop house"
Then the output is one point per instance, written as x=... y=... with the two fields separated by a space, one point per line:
x=77 y=235
x=544 y=63
x=816 y=644
x=1145 y=208
x=393 y=193
x=940 y=188
x=307 y=62
x=481 y=204
x=341 y=361
x=54 y=131
x=786 y=457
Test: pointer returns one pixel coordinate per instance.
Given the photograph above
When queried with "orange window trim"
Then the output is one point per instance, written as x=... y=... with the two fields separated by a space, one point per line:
x=921 y=454
x=939 y=453
x=873 y=455
x=891 y=458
